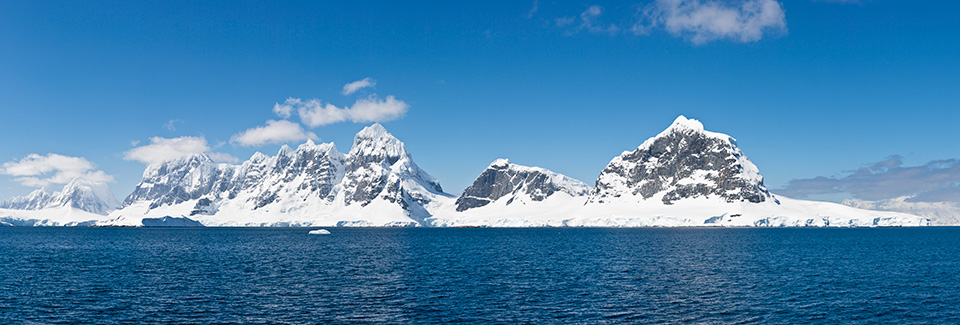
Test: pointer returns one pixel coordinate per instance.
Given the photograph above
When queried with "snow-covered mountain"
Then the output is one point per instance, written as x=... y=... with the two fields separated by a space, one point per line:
x=375 y=184
x=682 y=162
x=684 y=176
x=36 y=200
x=516 y=184
x=80 y=202
x=507 y=194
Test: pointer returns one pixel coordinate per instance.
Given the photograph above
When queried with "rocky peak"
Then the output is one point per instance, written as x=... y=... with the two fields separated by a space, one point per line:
x=375 y=144
x=684 y=161
x=511 y=182
x=379 y=165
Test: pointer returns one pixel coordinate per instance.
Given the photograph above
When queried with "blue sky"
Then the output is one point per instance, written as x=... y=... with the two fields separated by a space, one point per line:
x=811 y=89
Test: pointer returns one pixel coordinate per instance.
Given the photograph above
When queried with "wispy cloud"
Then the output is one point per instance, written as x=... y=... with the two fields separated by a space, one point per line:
x=696 y=21
x=704 y=21
x=171 y=125
x=936 y=181
x=165 y=149
x=41 y=170
x=588 y=20
x=357 y=85
x=274 y=132
x=840 y=1
x=283 y=111
x=315 y=113
x=533 y=9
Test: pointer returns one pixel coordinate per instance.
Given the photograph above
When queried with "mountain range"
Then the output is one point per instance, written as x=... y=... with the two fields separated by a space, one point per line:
x=684 y=176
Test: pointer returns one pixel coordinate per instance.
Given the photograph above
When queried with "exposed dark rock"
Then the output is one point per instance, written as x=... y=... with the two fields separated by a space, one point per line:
x=502 y=179
x=683 y=162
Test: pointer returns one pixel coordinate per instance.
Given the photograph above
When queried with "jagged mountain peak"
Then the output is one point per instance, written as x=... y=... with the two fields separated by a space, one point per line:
x=188 y=161
x=375 y=143
x=374 y=130
x=684 y=125
x=684 y=161
x=285 y=150
x=37 y=199
x=326 y=147
x=258 y=157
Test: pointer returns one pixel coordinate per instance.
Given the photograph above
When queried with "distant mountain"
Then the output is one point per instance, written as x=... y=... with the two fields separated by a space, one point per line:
x=36 y=200
x=375 y=184
x=80 y=202
x=81 y=194
x=939 y=213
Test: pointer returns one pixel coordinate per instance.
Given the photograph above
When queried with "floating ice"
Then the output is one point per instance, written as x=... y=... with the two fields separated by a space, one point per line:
x=319 y=232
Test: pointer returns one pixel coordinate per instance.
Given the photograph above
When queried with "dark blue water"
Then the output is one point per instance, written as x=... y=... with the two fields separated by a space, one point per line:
x=104 y=276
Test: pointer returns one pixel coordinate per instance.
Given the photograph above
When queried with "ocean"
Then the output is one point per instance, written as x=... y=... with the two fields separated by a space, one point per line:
x=444 y=275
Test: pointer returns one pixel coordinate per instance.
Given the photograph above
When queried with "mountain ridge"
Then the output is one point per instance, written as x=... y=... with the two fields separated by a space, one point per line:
x=683 y=176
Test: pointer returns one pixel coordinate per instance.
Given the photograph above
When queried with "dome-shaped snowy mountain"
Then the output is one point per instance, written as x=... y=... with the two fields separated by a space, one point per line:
x=682 y=162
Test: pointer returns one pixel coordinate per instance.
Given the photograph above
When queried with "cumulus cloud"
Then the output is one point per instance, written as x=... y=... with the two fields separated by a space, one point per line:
x=165 y=149
x=315 y=113
x=283 y=111
x=274 y=132
x=41 y=170
x=705 y=21
x=357 y=85
x=936 y=181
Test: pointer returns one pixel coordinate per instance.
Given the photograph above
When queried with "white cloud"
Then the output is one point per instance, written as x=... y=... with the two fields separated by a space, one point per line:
x=172 y=124
x=164 y=149
x=533 y=10
x=589 y=21
x=936 y=181
x=283 y=111
x=37 y=170
x=315 y=113
x=357 y=85
x=274 y=132
x=223 y=157
x=705 y=21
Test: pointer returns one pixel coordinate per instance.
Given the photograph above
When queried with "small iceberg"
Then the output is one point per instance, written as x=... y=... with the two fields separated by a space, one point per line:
x=319 y=232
